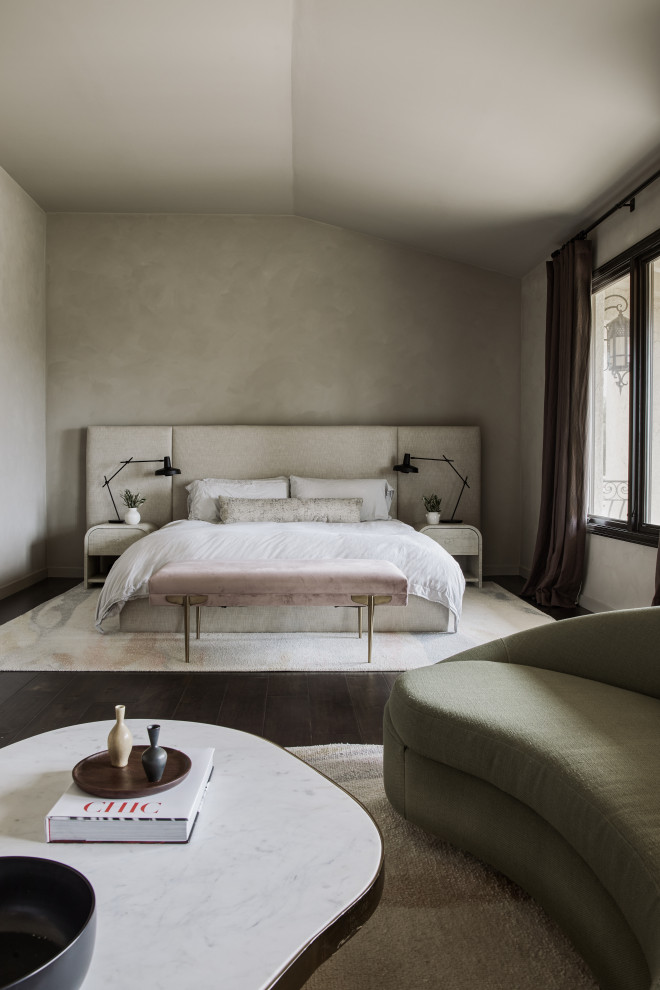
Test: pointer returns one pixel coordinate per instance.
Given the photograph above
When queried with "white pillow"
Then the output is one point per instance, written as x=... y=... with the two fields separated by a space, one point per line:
x=287 y=510
x=375 y=493
x=202 y=494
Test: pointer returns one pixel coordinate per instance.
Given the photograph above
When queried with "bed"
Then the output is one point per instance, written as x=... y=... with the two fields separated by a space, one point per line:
x=436 y=582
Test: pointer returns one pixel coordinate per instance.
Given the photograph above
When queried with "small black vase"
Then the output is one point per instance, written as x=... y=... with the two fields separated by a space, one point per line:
x=155 y=757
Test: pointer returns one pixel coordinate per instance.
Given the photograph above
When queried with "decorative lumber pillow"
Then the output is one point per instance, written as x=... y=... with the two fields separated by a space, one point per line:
x=375 y=493
x=335 y=510
x=202 y=494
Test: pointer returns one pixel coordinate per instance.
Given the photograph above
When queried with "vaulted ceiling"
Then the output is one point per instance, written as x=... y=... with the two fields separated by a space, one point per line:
x=486 y=131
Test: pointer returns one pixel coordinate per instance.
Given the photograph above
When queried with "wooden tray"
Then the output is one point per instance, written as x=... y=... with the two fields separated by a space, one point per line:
x=96 y=775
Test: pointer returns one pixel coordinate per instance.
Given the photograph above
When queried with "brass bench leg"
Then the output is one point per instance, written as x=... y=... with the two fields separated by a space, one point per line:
x=186 y=626
x=370 y=626
x=370 y=601
x=186 y=601
x=359 y=613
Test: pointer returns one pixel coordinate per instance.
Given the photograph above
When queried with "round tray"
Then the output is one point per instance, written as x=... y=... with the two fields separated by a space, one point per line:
x=96 y=775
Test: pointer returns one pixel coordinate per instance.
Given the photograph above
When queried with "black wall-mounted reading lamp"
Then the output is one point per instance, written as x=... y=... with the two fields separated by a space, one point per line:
x=408 y=468
x=167 y=470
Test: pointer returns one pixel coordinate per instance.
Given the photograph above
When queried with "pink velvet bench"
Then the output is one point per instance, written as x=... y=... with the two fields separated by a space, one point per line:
x=225 y=583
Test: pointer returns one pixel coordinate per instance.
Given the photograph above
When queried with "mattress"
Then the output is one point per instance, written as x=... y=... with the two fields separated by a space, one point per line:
x=433 y=574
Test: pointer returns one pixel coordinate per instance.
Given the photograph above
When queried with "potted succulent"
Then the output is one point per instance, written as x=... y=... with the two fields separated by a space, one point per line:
x=432 y=506
x=132 y=501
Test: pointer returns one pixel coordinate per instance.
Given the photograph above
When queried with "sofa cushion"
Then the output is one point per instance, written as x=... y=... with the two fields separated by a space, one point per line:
x=618 y=648
x=584 y=755
x=279 y=581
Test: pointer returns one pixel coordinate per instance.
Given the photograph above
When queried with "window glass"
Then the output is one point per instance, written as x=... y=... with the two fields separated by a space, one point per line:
x=610 y=401
x=653 y=447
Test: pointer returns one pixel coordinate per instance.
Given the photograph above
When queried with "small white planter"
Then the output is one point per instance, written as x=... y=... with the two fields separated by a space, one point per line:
x=132 y=517
x=433 y=518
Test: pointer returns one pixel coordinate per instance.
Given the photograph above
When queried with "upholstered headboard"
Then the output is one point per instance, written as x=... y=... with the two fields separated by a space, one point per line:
x=268 y=451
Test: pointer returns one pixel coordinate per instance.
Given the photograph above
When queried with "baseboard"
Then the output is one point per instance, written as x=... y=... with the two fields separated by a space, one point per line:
x=505 y=569
x=26 y=582
x=524 y=571
x=66 y=572
x=593 y=605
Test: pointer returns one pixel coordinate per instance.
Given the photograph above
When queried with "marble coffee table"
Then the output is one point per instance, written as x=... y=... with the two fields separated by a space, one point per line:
x=282 y=865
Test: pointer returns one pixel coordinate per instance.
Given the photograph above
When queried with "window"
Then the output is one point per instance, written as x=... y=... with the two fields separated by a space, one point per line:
x=624 y=468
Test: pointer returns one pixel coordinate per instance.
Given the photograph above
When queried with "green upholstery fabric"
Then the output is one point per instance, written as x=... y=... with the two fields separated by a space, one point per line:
x=619 y=648
x=476 y=816
x=583 y=755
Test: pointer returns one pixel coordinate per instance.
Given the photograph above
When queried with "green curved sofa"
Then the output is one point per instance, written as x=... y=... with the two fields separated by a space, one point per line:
x=540 y=754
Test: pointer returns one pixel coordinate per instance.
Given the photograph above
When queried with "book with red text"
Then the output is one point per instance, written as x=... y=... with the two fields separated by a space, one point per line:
x=166 y=816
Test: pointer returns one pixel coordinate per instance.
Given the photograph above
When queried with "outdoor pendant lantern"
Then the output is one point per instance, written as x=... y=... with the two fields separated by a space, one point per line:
x=618 y=343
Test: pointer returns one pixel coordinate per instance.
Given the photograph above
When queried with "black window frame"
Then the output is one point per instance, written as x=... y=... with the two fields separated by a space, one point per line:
x=634 y=261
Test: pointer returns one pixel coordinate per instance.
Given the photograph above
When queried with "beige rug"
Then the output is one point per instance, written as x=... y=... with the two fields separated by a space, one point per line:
x=445 y=921
x=60 y=635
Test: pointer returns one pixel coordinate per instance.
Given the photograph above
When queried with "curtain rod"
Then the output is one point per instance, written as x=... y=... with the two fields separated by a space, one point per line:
x=628 y=201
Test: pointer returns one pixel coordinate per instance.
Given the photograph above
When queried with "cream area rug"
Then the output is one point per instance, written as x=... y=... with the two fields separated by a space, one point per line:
x=60 y=635
x=446 y=920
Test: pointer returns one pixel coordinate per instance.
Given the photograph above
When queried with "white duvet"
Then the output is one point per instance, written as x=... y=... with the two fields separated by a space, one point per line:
x=432 y=573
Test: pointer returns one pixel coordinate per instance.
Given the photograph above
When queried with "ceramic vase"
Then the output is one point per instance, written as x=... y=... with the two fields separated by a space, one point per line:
x=432 y=518
x=132 y=517
x=154 y=757
x=120 y=739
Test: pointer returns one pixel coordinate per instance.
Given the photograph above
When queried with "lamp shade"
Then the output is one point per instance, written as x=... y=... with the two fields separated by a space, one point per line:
x=167 y=468
x=406 y=467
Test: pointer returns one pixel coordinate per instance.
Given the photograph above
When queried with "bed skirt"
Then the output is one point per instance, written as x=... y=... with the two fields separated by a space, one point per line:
x=419 y=615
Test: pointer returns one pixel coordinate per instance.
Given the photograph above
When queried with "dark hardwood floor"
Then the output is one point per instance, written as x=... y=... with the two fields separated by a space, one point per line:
x=292 y=709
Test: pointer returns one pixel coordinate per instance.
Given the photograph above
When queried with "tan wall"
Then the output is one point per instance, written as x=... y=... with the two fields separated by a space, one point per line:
x=22 y=388
x=214 y=319
x=617 y=574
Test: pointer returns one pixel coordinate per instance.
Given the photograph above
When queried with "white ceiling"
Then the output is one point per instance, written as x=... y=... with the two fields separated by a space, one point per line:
x=486 y=131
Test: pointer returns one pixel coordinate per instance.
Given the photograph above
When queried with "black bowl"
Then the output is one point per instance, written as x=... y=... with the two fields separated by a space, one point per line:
x=47 y=924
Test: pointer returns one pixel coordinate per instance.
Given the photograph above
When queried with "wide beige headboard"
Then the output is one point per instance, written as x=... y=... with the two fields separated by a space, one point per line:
x=268 y=451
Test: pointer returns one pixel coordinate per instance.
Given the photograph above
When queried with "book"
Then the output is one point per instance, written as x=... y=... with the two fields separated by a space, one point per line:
x=166 y=816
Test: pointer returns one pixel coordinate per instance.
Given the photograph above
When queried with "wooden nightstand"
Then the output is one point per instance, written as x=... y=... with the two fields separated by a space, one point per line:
x=464 y=543
x=104 y=543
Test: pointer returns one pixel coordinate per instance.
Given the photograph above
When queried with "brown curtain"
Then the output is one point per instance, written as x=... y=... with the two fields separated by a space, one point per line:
x=656 y=597
x=558 y=563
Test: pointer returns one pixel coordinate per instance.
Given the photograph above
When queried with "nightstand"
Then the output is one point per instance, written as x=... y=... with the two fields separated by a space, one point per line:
x=104 y=543
x=464 y=543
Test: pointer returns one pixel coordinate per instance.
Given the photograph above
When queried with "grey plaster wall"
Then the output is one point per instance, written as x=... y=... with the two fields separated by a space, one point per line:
x=617 y=574
x=532 y=385
x=22 y=388
x=197 y=319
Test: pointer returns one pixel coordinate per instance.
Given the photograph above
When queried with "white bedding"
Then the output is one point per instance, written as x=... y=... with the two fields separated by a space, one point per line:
x=432 y=573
